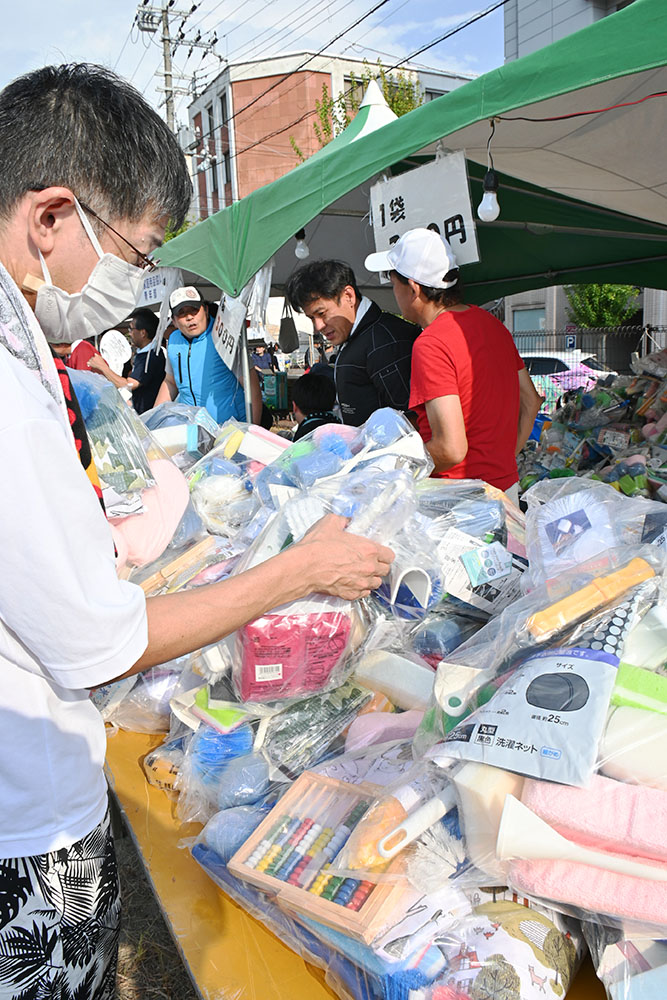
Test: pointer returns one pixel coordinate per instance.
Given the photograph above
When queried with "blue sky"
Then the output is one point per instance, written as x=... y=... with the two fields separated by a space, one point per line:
x=39 y=32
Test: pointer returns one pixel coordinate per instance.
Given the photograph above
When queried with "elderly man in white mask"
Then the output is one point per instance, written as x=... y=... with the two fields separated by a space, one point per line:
x=89 y=178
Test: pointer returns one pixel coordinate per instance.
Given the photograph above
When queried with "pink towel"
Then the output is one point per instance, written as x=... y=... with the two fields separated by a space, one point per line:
x=592 y=889
x=147 y=535
x=608 y=815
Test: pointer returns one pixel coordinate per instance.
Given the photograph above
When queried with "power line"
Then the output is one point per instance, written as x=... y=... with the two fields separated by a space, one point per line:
x=436 y=41
x=127 y=38
x=449 y=34
x=208 y=14
x=282 y=79
x=289 y=29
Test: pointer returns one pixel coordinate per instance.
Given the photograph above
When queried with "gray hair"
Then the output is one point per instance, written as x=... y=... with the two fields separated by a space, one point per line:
x=82 y=127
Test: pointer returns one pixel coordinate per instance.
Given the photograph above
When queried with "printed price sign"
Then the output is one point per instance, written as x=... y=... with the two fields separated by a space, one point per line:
x=154 y=288
x=435 y=196
x=227 y=331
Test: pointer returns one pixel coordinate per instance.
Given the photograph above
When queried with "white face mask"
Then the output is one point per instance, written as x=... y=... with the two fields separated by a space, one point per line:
x=108 y=297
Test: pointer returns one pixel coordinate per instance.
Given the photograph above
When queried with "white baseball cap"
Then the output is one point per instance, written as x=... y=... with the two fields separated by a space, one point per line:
x=420 y=254
x=185 y=296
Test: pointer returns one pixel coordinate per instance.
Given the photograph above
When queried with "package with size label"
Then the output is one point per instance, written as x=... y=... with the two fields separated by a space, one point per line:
x=545 y=720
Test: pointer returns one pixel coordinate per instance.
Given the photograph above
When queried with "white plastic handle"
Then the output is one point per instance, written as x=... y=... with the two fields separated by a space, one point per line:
x=416 y=823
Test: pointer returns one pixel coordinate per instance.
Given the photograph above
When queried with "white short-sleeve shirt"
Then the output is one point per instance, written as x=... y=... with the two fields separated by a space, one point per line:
x=66 y=624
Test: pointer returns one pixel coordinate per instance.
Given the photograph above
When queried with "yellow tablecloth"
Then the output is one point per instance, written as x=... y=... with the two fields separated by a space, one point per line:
x=229 y=955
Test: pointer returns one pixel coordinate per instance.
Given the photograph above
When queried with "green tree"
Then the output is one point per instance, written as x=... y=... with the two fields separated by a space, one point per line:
x=332 y=114
x=171 y=233
x=601 y=305
x=498 y=980
x=560 y=954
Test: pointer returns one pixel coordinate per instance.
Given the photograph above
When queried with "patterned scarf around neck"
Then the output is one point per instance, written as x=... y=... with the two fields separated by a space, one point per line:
x=22 y=336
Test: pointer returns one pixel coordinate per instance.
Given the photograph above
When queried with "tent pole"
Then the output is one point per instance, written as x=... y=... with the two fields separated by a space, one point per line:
x=245 y=364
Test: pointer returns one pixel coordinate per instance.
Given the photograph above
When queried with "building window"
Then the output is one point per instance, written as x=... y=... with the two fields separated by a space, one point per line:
x=227 y=169
x=354 y=93
x=528 y=319
x=430 y=95
x=214 y=175
x=211 y=123
x=224 y=113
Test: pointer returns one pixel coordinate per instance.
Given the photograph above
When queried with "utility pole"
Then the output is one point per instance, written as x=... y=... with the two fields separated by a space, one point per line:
x=151 y=19
x=166 y=57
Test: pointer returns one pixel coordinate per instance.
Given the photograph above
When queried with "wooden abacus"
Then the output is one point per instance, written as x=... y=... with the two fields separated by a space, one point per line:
x=290 y=852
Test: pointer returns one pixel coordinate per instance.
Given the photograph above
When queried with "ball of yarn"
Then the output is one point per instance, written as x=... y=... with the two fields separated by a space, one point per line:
x=228 y=830
x=244 y=781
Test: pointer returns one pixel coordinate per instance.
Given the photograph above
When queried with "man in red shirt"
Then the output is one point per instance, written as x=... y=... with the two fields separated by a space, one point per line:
x=475 y=402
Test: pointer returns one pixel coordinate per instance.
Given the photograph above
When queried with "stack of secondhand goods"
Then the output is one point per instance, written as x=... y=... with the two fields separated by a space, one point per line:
x=452 y=788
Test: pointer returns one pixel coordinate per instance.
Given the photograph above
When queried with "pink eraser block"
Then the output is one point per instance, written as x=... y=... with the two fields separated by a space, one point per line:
x=608 y=815
x=592 y=889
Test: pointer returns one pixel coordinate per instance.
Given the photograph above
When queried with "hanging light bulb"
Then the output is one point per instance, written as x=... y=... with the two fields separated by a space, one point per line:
x=301 y=250
x=489 y=209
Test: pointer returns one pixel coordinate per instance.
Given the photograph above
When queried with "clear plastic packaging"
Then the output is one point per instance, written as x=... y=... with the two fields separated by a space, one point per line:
x=141 y=703
x=112 y=426
x=572 y=520
x=575 y=610
x=329 y=454
x=631 y=968
x=186 y=433
x=307 y=731
x=295 y=650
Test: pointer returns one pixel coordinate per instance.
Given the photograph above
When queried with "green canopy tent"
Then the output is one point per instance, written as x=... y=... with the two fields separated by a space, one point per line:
x=583 y=196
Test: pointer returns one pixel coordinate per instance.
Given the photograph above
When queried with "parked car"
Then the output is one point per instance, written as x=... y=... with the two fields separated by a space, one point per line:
x=555 y=372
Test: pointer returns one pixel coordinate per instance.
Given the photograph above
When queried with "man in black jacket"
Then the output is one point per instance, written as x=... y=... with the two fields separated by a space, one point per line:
x=372 y=367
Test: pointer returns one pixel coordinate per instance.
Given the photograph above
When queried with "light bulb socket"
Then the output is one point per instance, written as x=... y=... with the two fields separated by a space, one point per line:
x=301 y=235
x=490 y=180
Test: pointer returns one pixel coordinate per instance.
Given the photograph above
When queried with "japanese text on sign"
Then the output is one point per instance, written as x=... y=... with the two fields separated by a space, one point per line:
x=227 y=330
x=434 y=196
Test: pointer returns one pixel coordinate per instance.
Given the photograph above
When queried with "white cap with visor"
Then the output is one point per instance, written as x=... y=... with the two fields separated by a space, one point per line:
x=420 y=254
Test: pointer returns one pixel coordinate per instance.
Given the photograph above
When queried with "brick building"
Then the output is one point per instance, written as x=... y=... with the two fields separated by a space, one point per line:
x=233 y=151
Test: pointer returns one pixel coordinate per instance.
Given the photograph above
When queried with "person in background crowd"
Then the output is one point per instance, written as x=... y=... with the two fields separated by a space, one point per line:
x=147 y=373
x=372 y=367
x=313 y=399
x=195 y=373
x=326 y=366
x=316 y=356
x=273 y=351
x=262 y=361
x=474 y=400
x=76 y=225
x=81 y=352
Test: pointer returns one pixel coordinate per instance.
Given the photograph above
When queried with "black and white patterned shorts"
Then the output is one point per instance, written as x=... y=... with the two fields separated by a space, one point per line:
x=59 y=922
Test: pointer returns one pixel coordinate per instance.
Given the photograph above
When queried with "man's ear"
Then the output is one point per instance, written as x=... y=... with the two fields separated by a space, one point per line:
x=415 y=288
x=348 y=294
x=47 y=211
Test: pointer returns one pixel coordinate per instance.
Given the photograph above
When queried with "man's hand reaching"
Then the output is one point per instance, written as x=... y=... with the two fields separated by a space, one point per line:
x=340 y=563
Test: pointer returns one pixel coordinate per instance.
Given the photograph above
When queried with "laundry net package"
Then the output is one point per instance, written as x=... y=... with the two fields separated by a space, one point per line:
x=590 y=607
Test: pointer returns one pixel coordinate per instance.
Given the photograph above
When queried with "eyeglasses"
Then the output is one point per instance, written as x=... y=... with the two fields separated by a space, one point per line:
x=143 y=261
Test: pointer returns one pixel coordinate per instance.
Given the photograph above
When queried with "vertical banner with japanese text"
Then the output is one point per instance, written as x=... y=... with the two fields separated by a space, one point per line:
x=434 y=196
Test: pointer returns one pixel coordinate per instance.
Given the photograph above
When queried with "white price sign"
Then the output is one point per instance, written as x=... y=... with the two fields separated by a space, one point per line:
x=435 y=196
x=227 y=330
x=153 y=291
